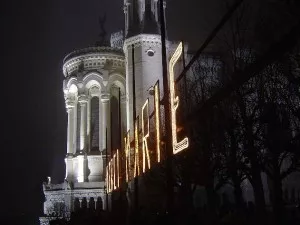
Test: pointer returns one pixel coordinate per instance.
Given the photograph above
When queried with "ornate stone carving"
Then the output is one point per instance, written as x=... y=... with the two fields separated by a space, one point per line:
x=146 y=40
x=94 y=90
x=82 y=99
x=117 y=40
x=90 y=59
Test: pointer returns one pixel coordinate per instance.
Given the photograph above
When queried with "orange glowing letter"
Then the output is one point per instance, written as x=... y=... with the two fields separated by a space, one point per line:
x=174 y=101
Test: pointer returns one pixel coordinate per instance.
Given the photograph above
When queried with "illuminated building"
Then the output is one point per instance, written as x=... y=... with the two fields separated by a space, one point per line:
x=98 y=82
x=94 y=77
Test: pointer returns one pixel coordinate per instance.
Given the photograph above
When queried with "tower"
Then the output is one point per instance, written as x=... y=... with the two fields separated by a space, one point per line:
x=94 y=91
x=93 y=79
x=142 y=48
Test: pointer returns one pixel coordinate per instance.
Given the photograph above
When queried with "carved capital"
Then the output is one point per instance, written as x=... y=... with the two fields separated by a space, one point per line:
x=123 y=98
x=105 y=97
x=82 y=99
x=69 y=155
x=70 y=104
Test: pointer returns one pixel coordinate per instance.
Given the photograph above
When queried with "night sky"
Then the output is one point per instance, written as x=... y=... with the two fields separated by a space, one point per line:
x=35 y=37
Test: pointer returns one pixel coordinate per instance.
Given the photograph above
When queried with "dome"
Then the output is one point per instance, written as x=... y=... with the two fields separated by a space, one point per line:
x=93 y=58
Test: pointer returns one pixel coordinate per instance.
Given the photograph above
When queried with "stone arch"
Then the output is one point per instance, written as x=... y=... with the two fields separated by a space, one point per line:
x=71 y=81
x=84 y=203
x=94 y=123
x=76 y=205
x=92 y=86
x=93 y=79
x=118 y=80
x=99 y=205
x=73 y=89
x=92 y=203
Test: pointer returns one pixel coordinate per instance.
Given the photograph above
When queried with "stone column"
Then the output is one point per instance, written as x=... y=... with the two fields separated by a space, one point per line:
x=70 y=105
x=88 y=126
x=87 y=202
x=95 y=200
x=70 y=110
x=80 y=203
x=104 y=121
x=83 y=122
x=123 y=119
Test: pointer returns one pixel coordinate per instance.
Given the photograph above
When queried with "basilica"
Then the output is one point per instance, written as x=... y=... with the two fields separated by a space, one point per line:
x=104 y=87
x=99 y=104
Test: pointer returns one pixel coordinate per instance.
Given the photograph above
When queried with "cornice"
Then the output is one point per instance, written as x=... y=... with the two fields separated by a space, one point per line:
x=92 y=61
x=89 y=50
x=149 y=40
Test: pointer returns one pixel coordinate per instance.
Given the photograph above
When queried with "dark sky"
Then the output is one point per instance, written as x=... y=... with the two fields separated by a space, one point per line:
x=35 y=37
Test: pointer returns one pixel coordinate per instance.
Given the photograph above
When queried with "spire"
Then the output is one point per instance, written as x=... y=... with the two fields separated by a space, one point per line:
x=102 y=41
x=150 y=24
x=134 y=24
x=141 y=17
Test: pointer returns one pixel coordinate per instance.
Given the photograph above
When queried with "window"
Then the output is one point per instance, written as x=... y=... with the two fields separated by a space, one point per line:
x=150 y=52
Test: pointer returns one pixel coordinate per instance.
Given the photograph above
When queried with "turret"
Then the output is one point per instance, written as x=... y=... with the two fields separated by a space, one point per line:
x=142 y=48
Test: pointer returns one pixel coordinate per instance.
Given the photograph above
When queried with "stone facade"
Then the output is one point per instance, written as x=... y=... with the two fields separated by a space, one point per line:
x=94 y=77
x=98 y=91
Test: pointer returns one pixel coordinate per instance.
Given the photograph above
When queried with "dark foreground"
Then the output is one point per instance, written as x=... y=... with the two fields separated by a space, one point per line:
x=201 y=216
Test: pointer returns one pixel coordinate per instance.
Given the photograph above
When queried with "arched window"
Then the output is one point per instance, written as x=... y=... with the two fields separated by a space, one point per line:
x=78 y=128
x=99 y=206
x=84 y=203
x=94 y=135
x=114 y=120
x=76 y=204
x=92 y=204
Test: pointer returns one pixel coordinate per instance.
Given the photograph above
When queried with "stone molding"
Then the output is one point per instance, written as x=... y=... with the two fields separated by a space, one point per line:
x=60 y=196
x=76 y=190
x=70 y=103
x=105 y=97
x=101 y=49
x=82 y=99
x=147 y=40
x=94 y=157
x=93 y=61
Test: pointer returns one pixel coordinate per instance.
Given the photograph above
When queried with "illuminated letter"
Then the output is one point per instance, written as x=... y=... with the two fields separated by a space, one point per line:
x=145 y=133
x=115 y=171
x=127 y=156
x=136 y=148
x=107 y=180
x=118 y=165
x=110 y=177
x=174 y=101
x=157 y=119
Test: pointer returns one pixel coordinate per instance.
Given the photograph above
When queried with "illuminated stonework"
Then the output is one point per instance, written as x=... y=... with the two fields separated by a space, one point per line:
x=92 y=76
x=127 y=157
x=157 y=119
x=98 y=88
x=136 y=149
x=174 y=101
x=62 y=199
x=113 y=173
x=145 y=135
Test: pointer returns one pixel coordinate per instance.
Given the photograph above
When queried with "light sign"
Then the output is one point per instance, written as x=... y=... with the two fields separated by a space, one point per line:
x=113 y=173
x=113 y=168
x=136 y=149
x=174 y=101
x=127 y=156
x=145 y=134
